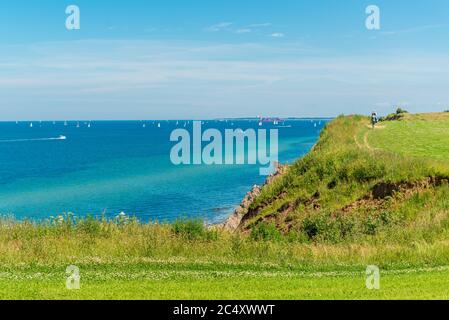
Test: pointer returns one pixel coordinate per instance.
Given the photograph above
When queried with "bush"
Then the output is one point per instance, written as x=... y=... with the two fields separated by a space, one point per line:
x=398 y=115
x=321 y=226
x=193 y=230
x=265 y=231
x=89 y=226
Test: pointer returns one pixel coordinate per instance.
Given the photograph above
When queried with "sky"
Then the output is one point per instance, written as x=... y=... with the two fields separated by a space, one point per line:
x=191 y=59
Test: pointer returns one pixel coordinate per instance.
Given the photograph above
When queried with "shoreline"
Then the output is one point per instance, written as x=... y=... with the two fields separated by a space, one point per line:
x=233 y=222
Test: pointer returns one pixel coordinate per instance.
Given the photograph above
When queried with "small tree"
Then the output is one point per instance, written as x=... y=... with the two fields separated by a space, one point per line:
x=401 y=111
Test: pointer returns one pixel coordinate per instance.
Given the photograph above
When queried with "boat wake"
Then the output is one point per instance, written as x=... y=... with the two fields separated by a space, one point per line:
x=61 y=137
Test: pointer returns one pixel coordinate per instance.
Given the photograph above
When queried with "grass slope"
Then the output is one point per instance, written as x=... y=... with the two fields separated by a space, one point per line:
x=357 y=199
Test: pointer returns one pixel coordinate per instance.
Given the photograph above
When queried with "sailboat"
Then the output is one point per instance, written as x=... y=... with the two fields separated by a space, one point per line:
x=31 y=125
x=158 y=125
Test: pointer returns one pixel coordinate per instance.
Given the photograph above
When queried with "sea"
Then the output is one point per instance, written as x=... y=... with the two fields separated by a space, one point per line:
x=103 y=168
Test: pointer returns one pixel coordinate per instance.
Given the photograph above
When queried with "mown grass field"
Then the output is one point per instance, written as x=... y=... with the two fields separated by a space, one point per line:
x=118 y=282
x=311 y=235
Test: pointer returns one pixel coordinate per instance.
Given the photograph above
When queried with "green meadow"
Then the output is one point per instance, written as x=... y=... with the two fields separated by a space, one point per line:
x=361 y=197
x=425 y=135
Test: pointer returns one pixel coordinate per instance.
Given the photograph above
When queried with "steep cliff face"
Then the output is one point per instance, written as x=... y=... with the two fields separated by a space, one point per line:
x=234 y=222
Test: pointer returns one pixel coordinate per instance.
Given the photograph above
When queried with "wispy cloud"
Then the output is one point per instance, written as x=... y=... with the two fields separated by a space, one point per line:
x=277 y=35
x=231 y=27
x=219 y=27
x=413 y=29
x=244 y=30
x=260 y=25
x=141 y=77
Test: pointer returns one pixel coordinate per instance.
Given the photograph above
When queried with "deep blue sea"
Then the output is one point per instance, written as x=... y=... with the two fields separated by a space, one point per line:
x=114 y=166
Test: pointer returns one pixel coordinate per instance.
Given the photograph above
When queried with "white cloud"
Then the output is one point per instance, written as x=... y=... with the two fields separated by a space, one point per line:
x=260 y=25
x=245 y=30
x=114 y=77
x=277 y=35
x=229 y=26
x=219 y=26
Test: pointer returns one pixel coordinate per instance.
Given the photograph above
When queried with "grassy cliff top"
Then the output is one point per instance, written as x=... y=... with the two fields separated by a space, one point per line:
x=360 y=183
x=416 y=135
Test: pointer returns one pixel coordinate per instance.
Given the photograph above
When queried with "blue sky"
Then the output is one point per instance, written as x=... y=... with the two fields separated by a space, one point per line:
x=217 y=58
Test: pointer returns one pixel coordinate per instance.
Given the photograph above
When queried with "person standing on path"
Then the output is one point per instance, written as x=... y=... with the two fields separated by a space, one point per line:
x=374 y=119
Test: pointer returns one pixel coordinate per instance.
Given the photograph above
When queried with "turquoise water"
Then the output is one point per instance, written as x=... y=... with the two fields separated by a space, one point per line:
x=114 y=166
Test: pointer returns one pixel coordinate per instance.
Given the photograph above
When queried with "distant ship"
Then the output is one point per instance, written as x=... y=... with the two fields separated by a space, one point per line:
x=61 y=137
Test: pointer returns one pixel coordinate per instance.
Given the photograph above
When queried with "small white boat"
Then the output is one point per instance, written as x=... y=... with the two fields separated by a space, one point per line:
x=31 y=125
x=61 y=137
x=158 y=125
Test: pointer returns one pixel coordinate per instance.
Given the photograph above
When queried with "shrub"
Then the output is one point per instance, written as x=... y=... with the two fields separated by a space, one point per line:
x=193 y=230
x=89 y=226
x=265 y=231
x=398 y=115
x=371 y=224
x=401 y=111
x=321 y=226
